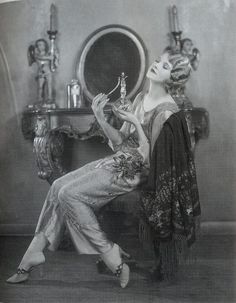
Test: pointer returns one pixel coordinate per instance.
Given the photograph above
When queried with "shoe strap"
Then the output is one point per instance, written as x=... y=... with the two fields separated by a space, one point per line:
x=119 y=269
x=21 y=271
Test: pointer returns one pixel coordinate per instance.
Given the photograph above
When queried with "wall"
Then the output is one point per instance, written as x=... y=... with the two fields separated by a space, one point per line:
x=210 y=23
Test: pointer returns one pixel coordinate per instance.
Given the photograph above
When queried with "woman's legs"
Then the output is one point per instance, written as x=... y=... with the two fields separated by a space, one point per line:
x=40 y=241
x=113 y=261
x=86 y=233
x=71 y=201
x=33 y=256
x=78 y=199
x=36 y=246
x=50 y=220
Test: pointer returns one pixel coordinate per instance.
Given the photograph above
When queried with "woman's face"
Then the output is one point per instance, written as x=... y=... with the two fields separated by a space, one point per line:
x=160 y=69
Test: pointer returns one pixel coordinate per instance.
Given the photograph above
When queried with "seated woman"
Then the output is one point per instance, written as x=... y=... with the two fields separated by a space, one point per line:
x=73 y=198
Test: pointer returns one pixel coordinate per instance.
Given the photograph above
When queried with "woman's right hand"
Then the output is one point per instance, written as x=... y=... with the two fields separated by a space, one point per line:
x=125 y=115
x=98 y=104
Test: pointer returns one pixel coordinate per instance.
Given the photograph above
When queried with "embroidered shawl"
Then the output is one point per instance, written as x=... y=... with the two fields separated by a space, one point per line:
x=170 y=200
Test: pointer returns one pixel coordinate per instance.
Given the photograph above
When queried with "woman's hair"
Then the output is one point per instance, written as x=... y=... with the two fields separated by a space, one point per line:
x=181 y=69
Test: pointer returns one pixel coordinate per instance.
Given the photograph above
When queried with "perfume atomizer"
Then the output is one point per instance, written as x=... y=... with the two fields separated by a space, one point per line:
x=122 y=103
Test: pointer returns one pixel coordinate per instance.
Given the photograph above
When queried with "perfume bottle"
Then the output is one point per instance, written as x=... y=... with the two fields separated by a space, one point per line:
x=125 y=104
x=122 y=103
x=74 y=99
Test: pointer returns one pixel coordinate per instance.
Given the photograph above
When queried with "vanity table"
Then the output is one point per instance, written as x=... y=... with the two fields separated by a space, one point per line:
x=48 y=128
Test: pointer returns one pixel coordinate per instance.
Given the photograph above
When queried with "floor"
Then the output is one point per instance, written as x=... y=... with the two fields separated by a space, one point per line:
x=67 y=277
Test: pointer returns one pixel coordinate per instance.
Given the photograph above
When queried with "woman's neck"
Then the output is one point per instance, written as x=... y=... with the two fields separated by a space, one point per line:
x=156 y=92
x=155 y=96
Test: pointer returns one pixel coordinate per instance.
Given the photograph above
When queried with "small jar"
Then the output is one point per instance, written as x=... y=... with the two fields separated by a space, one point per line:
x=74 y=99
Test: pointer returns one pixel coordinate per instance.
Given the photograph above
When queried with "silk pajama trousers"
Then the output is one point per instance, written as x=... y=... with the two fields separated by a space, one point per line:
x=72 y=201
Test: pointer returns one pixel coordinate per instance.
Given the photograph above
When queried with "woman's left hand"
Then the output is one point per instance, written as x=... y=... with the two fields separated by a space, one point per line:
x=125 y=115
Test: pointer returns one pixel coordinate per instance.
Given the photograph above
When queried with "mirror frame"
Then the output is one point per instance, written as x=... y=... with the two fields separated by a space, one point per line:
x=89 y=42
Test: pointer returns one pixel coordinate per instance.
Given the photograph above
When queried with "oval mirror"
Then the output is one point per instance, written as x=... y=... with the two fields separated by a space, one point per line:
x=107 y=53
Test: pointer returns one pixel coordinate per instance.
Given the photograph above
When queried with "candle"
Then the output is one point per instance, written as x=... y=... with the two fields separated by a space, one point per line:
x=170 y=19
x=175 y=19
x=52 y=18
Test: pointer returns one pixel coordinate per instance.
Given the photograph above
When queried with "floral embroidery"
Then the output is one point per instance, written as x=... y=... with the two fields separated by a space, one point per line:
x=128 y=166
x=172 y=208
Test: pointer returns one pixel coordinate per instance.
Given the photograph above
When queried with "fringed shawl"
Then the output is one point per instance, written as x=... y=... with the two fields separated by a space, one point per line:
x=169 y=199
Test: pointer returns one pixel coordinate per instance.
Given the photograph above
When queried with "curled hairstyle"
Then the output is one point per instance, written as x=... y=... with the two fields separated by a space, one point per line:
x=181 y=69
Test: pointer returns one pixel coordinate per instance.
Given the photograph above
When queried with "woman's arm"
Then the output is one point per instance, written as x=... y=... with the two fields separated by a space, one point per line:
x=144 y=145
x=113 y=134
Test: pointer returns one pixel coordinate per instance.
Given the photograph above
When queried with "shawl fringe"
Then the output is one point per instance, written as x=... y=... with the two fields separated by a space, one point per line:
x=174 y=252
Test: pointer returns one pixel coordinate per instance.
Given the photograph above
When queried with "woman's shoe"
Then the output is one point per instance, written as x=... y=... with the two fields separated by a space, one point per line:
x=113 y=261
x=122 y=272
x=103 y=269
x=22 y=274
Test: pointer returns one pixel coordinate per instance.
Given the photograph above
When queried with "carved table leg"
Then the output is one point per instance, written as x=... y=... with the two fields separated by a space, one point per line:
x=48 y=148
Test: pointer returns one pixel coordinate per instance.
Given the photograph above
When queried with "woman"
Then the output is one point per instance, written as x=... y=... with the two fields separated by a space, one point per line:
x=73 y=198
